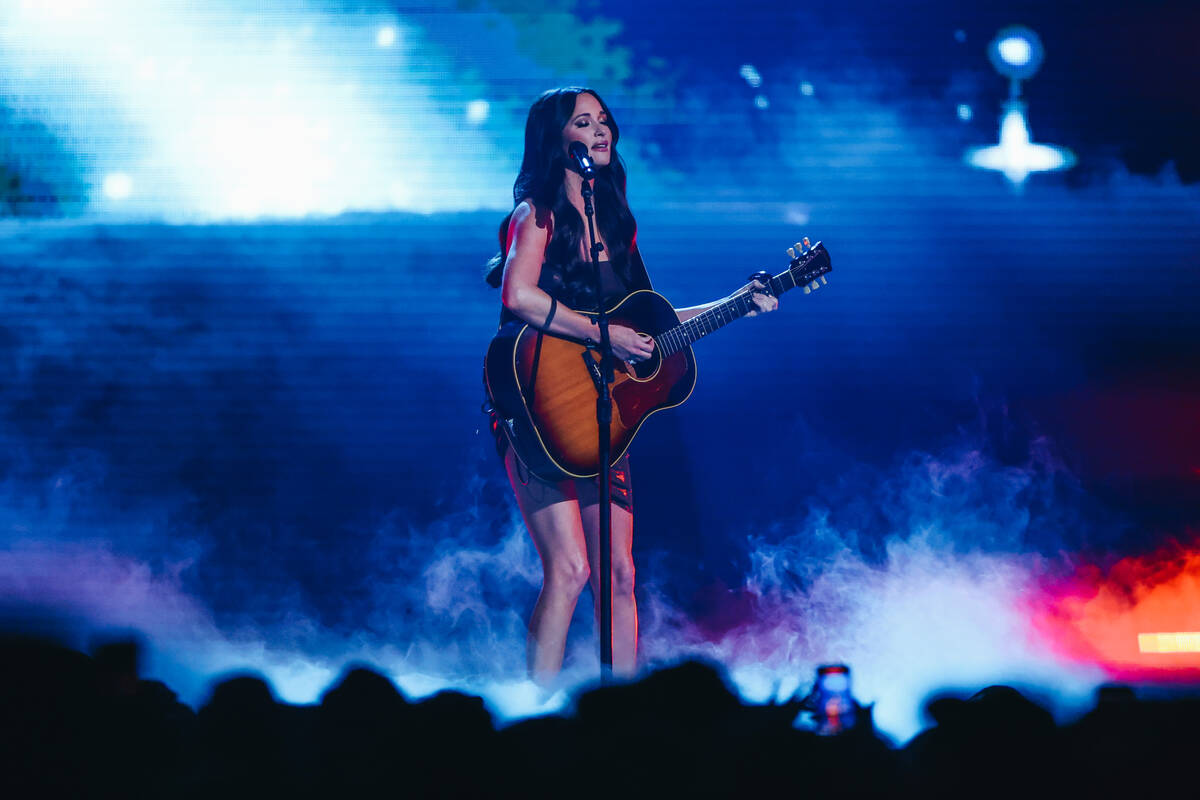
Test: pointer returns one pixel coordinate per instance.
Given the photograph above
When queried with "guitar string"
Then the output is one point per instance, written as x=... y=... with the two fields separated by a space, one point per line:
x=705 y=323
x=714 y=319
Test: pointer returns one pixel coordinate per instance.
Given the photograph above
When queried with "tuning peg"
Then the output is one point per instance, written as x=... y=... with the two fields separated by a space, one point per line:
x=791 y=252
x=806 y=244
x=815 y=285
x=799 y=246
x=808 y=290
x=823 y=281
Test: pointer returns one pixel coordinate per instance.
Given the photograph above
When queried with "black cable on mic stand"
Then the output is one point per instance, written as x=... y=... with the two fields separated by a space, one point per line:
x=579 y=155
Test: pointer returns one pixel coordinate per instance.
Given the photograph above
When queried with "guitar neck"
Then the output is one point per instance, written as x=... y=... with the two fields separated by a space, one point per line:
x=720 y=315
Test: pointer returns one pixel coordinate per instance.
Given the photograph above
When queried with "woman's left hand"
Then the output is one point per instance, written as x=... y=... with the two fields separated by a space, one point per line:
x=765 y=302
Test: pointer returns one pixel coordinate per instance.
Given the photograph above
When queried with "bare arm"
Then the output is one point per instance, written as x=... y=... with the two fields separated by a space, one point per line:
x=529 y=231
x=765 y=303
x=687 y=313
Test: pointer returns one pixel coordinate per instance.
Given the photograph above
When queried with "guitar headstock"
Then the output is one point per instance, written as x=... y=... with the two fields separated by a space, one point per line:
x=809 y=264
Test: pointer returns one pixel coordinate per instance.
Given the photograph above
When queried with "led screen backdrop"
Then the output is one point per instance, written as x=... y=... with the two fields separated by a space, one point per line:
x=241 y=265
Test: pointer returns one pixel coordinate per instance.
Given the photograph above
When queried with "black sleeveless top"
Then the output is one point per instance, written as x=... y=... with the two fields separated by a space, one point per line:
x=613 y=287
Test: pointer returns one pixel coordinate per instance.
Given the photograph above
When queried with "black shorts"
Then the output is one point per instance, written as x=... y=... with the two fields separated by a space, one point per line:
x=540 y=493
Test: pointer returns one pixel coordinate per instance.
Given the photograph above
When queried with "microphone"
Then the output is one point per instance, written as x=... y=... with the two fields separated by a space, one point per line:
x=583 y=162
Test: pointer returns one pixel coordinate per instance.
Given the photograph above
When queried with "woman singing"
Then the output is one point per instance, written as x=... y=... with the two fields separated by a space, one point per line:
x=545 y=276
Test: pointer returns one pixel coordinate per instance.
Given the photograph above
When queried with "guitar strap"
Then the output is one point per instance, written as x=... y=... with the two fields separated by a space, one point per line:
x=637 y=271
x=533 y=369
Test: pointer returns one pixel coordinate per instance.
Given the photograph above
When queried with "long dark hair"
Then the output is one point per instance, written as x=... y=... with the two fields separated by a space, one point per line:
x=541 y=181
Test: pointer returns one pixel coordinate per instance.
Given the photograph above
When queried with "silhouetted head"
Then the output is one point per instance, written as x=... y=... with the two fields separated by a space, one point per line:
x=364 y=694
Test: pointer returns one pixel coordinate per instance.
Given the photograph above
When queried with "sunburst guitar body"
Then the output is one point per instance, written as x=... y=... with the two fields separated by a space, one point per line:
x=544 y=387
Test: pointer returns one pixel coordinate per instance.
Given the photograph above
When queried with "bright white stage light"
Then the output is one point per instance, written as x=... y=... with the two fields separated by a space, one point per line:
x=225 y=117
x=477 y=111
x=1016 y=52
x=275 y=162
x=806 y=89
x=750 y=75
x=761 y=102
x=58 y=9
x=964 y=112
x=117 y=185
x=403 y=194
x=1016 y=156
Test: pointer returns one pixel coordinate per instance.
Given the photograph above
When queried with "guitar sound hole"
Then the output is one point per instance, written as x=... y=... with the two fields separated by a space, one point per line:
x=647 y=369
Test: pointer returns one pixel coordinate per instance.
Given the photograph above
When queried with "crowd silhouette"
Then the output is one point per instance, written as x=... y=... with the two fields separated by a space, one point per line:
x=83 y=725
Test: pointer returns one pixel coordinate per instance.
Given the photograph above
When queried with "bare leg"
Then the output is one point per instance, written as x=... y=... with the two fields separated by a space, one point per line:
x=558 y=535
x=624 y=607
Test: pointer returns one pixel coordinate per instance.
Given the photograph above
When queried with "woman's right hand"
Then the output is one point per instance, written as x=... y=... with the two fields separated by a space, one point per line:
x=629 y=345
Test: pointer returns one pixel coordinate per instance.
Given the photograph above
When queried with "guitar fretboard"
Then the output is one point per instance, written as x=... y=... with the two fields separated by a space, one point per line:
x=739 y=305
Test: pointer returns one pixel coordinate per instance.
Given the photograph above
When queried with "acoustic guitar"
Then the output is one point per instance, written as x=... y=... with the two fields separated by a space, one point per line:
x=543 y=387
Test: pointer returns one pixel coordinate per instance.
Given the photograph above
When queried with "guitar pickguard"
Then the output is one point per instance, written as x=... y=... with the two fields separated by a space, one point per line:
x=634 y=399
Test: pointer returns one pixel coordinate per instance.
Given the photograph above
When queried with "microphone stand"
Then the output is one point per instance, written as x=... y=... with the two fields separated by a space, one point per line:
x=604 y=422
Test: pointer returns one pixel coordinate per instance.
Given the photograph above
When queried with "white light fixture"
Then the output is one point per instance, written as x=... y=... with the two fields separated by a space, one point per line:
x=1016 y=53
x=1015 y=50
x=1016 y=156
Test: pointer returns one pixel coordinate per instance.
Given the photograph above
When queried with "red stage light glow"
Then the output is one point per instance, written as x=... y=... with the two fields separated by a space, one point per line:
x=1114 y=617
